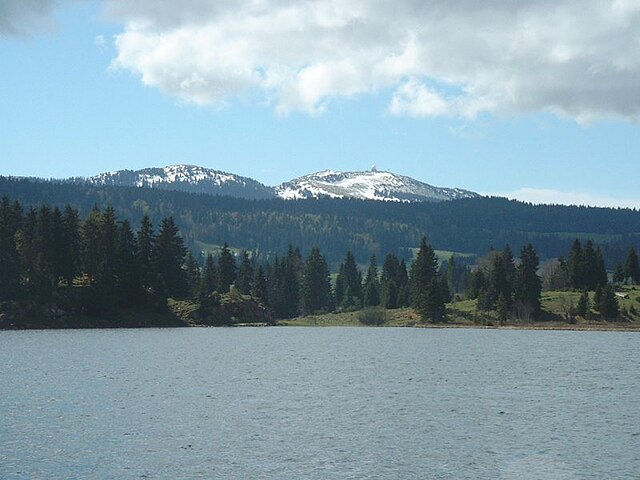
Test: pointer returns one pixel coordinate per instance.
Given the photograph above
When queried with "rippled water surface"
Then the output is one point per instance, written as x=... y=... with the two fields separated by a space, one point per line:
x=319 y=403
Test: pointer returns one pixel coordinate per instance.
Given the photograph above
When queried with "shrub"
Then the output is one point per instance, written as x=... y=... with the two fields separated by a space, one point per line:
x=374 y=316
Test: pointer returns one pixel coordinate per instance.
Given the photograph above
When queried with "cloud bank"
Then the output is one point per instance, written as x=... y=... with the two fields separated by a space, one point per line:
x=21 y=17
x=457 y=58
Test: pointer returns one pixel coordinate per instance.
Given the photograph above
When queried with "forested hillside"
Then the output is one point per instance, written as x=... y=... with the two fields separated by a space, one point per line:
x=339 y=225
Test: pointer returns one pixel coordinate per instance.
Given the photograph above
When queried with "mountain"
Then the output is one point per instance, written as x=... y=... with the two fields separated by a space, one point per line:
x=186 y=178
x=369 y=185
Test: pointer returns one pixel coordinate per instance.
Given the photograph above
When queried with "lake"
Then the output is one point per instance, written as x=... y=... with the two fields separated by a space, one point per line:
x=319 y=403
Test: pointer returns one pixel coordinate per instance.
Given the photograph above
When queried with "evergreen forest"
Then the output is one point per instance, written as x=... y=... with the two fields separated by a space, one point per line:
x=59 y=268
x=469 y=227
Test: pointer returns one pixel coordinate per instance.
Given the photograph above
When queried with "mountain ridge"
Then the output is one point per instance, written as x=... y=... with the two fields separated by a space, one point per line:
x=367 y=185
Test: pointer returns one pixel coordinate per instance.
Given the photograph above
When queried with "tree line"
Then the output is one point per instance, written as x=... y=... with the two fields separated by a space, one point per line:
x=45 y=252
x=338 y=225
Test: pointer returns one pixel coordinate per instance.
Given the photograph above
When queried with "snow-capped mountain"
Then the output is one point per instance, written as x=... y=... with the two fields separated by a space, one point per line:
x=187 y=178
x=369 y=185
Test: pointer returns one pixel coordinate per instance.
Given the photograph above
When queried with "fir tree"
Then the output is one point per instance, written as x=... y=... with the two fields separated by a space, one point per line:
x=427 y=293
x=583 y=304
x=402 y=281
x=608 y=303
x=146 y=245
x=389 y=281
x=631 y=266
x=618 y=274
x=423 y=273
x=316 y=287
x=226 y=269
x=600 y=271
x=371 y=297
x=127 y=271
x=246 y=273
x=209 y=277
x=71 y=244
x=192 y=271
x=169 y=256
x=351 y=281
x=10 y=220
x=90 y=240
x=528 y=283
x=575 y=266
x=260 y=289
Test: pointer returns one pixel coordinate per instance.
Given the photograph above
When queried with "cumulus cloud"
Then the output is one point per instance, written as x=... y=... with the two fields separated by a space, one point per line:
x=21 y=17
x=550 y=197
x=453 y=58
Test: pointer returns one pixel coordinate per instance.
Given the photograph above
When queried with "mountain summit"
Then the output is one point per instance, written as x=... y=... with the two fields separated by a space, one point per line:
x=368 y=185
x=187 y=178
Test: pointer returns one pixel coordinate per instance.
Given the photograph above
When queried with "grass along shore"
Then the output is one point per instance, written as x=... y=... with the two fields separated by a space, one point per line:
x=555 y=306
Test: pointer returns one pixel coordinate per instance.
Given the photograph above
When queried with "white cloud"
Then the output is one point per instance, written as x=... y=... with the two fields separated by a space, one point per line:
x=576 y=59
x=550 y=196
x=454 y=58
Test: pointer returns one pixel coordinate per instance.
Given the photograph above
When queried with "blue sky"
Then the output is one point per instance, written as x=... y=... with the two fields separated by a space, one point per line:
x=541 y=112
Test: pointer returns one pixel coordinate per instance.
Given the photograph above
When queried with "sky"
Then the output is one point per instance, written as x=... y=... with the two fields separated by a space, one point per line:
x=537 y=100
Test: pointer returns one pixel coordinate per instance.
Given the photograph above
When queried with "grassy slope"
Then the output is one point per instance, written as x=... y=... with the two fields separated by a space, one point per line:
x=463 y=313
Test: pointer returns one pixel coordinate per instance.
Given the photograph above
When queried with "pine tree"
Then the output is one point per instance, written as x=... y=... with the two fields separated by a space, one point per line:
x=509 y=270
x=575 y=266
x=57 y=244
x=427 y=293
x=528 y=283
x=388 y=281
x=451 y=273
x=632 y=267
x=246 y=273
x=618 y=274
x=26 y=249
x=600 y=271
x=192 y=271
x=351 y=279
x=209 y=277
x=423 y=273
x=583 y=304
x=10 y=220
x=371 y=297
x=127 y=271
x=90 y=240
x=316 y=287
x=431 y=305
x=169 y=256
x=226 y=269
x=402 y=280
x=260 y=288
x=501 y=309
x=608 y=303
x=71 y=244
x=145 y=257
x=339 y=288
x=45 y=281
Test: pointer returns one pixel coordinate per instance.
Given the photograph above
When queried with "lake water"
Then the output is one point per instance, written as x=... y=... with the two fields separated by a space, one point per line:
x=319 y=403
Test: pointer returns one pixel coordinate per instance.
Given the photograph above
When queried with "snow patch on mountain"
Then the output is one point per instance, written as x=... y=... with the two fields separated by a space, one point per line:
x=189 y=178
x=368 y=185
